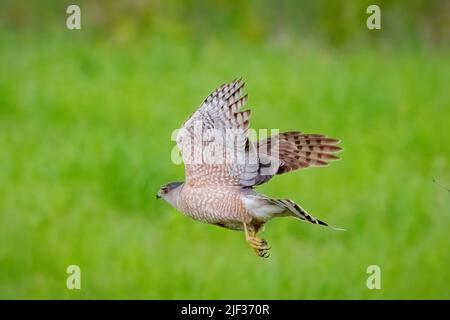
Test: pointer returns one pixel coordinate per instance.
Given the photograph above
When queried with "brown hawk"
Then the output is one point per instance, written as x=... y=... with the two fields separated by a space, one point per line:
x=223 y=167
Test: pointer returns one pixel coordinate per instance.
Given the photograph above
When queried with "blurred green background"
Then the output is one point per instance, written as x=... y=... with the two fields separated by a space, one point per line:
x=86 y=118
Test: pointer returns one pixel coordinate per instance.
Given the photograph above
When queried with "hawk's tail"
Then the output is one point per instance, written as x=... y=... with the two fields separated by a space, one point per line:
x=264 y=207
x=295 y=210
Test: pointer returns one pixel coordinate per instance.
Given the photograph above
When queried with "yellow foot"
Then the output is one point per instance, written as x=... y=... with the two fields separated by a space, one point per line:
x=259 y=245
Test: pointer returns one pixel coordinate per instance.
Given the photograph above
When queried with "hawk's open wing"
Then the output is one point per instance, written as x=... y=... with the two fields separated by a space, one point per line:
x=214 y=141
x=216 y=150
x=297 y=150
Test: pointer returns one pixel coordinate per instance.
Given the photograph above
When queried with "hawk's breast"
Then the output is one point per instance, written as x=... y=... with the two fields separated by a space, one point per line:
x=220 y=205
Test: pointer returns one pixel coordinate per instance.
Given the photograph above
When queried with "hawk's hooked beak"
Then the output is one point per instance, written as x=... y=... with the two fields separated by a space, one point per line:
x=158 y=196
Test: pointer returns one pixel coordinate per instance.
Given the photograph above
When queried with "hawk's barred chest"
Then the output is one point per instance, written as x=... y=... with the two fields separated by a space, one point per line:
x=213 y=204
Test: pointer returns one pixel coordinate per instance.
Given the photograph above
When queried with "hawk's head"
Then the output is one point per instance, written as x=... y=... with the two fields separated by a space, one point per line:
x=166 y=192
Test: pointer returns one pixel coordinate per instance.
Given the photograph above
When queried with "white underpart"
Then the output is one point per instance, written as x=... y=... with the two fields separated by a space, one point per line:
x=260 y=208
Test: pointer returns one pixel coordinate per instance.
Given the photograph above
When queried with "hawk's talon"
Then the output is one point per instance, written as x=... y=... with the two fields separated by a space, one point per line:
x=259 y=245
x=262 y=253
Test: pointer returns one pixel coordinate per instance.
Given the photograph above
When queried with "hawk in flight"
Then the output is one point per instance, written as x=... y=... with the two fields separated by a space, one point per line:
x=223 y=166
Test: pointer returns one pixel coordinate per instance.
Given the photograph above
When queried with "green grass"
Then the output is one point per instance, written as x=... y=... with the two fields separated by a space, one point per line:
x=85 y=127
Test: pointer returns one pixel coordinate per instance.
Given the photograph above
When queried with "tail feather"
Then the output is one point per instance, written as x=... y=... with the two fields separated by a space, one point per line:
x=297 y=211
x=264 y=207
